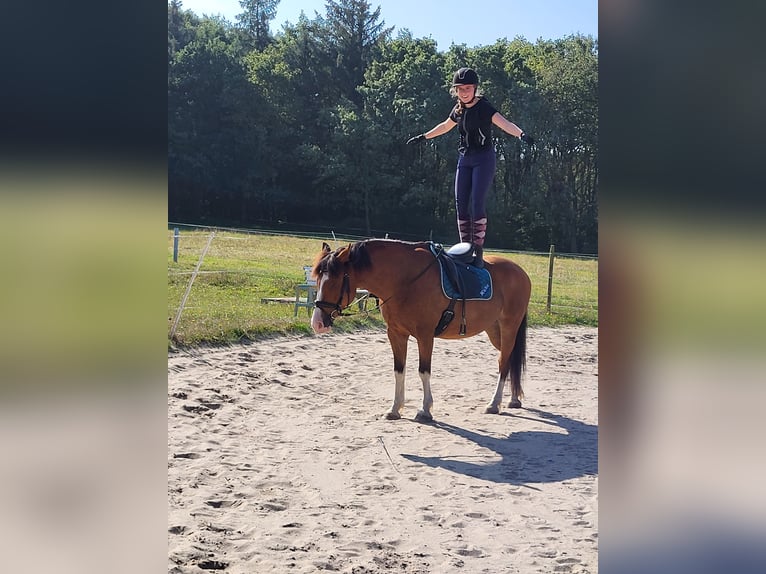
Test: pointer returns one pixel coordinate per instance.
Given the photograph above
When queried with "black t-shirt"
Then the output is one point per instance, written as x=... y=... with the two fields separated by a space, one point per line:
x=475 y=126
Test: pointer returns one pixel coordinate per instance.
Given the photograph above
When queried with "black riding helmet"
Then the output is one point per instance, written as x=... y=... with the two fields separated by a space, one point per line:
x=465 y=76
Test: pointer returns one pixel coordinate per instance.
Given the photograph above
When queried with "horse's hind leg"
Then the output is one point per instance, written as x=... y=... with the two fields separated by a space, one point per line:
x=494 y=335
x=399 y=348
x=493 y=407
x=505 y=369
x=511 y=363
x=517 y=362
x=495 y=338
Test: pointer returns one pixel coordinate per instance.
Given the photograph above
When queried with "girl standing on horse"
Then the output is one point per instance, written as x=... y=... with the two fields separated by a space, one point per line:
x=474 y=116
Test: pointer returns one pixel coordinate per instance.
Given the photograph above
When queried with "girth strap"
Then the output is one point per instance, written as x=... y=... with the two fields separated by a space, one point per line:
x=449 y=313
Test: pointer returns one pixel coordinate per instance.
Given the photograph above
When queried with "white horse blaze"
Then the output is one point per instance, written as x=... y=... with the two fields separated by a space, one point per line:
x=316 y=317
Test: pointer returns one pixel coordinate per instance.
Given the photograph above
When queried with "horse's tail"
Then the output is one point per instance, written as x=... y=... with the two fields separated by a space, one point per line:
x=518 y=360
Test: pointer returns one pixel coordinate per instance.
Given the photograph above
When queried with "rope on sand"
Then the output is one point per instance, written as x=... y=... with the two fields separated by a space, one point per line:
x=380 y=438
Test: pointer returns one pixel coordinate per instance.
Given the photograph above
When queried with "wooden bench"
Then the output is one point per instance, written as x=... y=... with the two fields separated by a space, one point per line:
x=309 y=288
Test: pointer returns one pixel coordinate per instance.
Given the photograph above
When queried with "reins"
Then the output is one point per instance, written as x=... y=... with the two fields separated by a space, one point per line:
x=440 y=248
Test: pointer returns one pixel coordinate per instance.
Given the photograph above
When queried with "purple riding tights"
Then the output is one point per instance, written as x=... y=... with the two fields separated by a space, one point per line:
x=473 y=179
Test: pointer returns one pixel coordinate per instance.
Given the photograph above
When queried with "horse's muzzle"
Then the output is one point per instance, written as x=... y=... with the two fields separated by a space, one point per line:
x=321 y=322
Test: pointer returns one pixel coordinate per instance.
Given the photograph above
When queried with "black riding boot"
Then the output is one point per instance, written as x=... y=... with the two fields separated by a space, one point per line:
x=479 y=231
x=478 y=250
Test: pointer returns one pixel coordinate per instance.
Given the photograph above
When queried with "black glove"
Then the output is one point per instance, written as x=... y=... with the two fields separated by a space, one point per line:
x=416 y=139
x=529 y=140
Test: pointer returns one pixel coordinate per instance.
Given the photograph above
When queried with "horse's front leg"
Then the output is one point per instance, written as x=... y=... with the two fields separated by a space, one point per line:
x=425 y=352
x=399 y=348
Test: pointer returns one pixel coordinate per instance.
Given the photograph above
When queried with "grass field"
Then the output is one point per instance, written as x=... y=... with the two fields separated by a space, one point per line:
x=240 y=269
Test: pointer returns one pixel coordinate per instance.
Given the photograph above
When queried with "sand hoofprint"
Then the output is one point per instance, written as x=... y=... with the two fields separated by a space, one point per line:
x=280 y=459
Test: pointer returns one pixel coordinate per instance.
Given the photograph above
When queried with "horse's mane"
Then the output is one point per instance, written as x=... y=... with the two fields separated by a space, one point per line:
x=359 y=258
x=359 y=255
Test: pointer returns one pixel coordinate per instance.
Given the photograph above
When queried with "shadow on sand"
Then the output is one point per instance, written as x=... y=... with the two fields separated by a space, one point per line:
x=525 y=456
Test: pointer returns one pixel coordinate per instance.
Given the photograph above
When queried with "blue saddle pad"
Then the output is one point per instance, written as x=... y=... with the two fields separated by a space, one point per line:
x=476 y=282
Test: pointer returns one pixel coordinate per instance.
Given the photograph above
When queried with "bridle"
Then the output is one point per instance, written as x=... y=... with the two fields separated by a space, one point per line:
x=345 y=289
x=337 y=309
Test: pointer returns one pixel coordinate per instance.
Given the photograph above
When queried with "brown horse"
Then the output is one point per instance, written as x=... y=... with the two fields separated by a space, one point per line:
x=406 y=279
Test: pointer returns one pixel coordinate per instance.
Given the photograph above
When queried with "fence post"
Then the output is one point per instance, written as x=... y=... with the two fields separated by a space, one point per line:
x=189 y=286
x=551 y=257
x=175 y=245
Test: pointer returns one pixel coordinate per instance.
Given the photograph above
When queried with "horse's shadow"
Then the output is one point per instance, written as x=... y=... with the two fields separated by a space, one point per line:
x=526 y=456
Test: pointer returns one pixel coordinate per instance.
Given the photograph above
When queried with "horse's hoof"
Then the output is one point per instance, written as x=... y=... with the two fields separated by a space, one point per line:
x=514 y=404
x=392 y=416
x=424 y=417
x=491 y=410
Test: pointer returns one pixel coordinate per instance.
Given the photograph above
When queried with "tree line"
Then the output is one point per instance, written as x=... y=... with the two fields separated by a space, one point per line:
x=306 y=128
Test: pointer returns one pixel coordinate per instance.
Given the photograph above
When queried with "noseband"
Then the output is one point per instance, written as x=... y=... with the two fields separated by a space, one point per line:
x=336 y=309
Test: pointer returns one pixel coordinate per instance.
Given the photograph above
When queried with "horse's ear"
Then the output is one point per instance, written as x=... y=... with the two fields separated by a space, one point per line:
x=344 y=254
x=325 y=247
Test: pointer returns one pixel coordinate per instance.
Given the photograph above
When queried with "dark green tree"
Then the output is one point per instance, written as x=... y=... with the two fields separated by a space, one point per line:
x=292 y=76
x=404 y=94
x=309 y=129
x=254 y=20
x=212 y=110
x=352 y=35
x=181 y=24
x=566 y=72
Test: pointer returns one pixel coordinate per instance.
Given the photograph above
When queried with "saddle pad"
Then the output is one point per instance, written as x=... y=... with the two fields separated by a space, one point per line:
x=477 y=283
